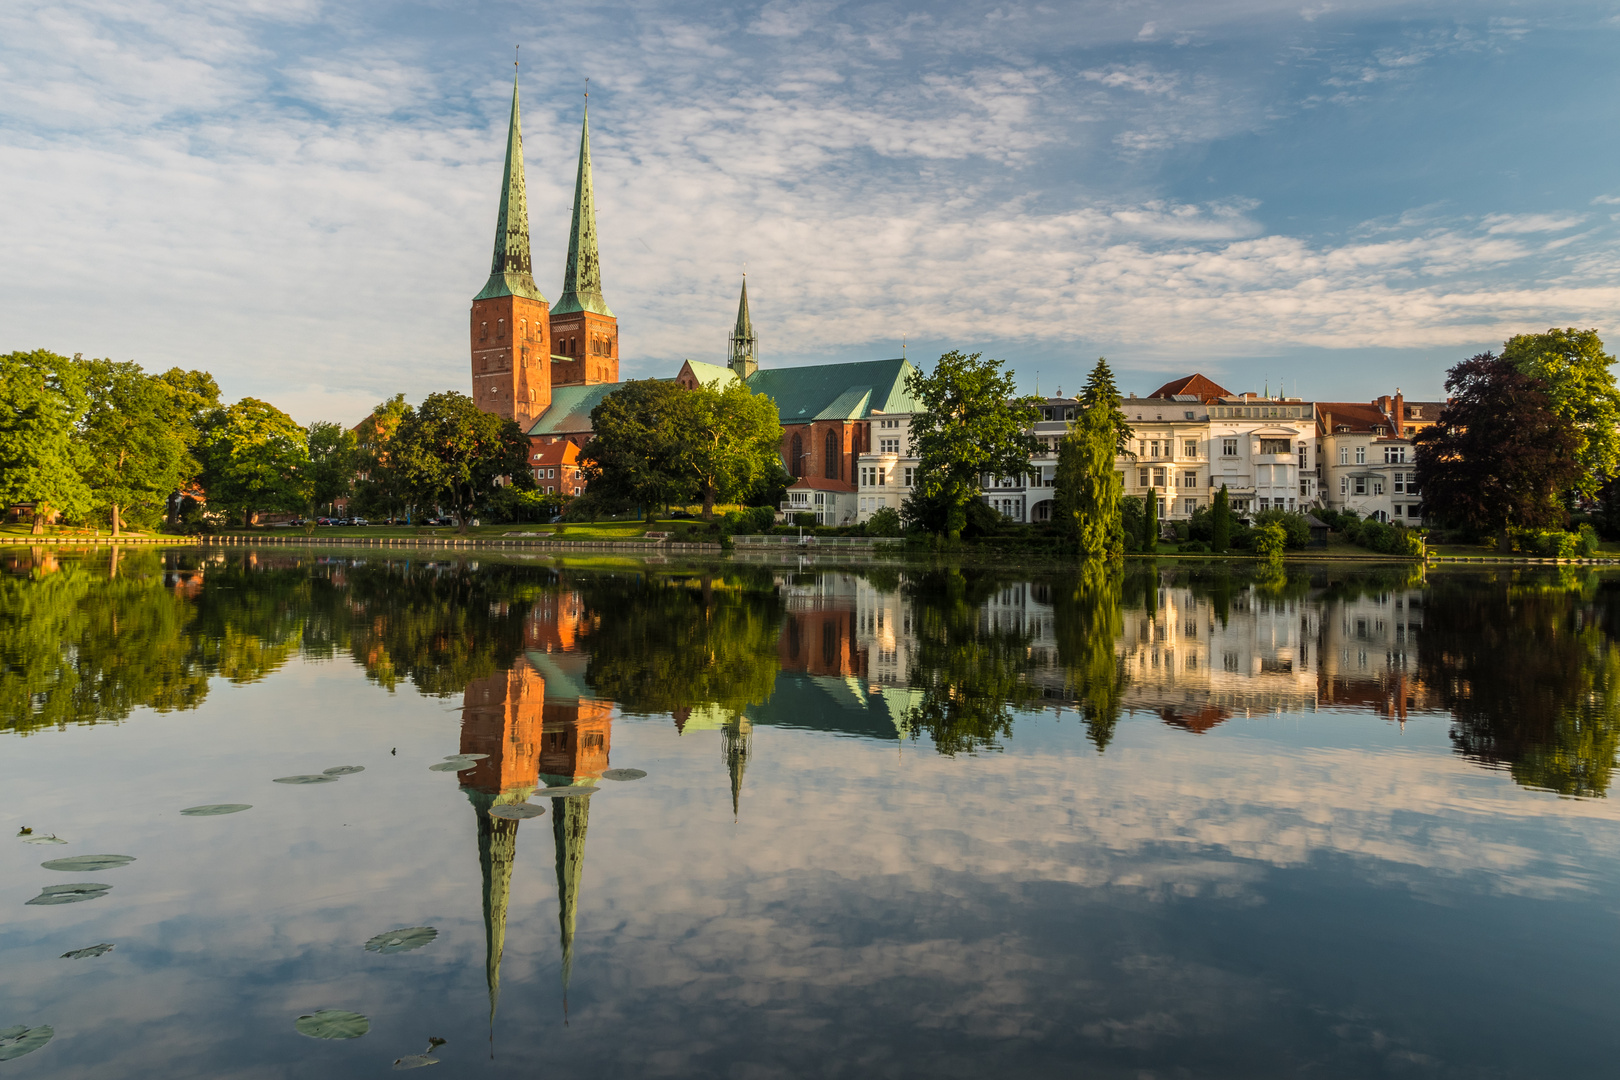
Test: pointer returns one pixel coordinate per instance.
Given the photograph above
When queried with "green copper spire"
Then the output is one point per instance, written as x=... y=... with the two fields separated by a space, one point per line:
x=497 y=844
x=510 y=273
x=736 y=741
x=569 y=820
x=582 y=278
x=744 y=344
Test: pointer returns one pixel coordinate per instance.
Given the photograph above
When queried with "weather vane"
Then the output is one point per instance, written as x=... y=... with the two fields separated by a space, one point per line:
x=515 y=50
x=587 y=88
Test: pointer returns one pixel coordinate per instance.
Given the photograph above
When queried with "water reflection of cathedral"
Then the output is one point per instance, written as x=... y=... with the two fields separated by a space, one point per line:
x=539 y=726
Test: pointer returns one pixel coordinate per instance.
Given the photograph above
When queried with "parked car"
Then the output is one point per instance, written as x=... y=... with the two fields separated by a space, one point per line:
x=358 y=521
x=323 y=521
x=682 y=515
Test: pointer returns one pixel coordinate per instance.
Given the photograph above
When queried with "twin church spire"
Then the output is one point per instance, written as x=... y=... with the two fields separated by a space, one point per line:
x=511 y=271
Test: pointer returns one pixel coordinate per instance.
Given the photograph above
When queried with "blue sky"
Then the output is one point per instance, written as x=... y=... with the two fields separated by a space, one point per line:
x=1343 y=197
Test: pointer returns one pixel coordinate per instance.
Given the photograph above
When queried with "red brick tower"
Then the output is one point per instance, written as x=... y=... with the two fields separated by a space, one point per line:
x=584 y=331
x=511 y=340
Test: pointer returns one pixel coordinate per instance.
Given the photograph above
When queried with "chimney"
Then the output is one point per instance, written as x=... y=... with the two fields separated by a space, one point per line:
x=1400 y=414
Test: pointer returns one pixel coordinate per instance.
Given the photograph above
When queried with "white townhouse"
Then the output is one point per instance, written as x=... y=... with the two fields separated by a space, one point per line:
x=1367 y=456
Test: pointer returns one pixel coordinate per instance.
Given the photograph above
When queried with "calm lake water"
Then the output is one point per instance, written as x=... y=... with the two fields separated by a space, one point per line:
x=896 y=822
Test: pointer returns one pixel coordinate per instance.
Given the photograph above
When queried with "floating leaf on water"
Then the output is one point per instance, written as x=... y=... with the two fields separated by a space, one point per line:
x=93 y=950
x=516 y=811
x=396 y=941
x=414 y=1061
x=17 y=1041
x=76 y=863
x=465 y=757
x=344 y=770
x=332 y=1024
x=69 y=894
x=215 y=809
x=317 y=779
x=624 y=774
x=564 y=792
x=51 y=839
x=453 y=765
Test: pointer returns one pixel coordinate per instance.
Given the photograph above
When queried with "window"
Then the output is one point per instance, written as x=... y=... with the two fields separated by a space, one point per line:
x=1378 y=487
x=1153 y=447
x=1400 y=483
x=1229 y=448
x=1303 y=457
x=832 y=460
x=1411 y=484
x=1189 y=479
x=796 y=455
x=1274 y=446
x=1188 y=415
x=1189 y=447
x=1344 y=485
x=1361 y=485
x=1265 y=504
x=1189 y=506
x=1344 y=455
x=889 y=446
x=1361 y=455
x=1162 y=510
x=1141 y=478
x=911 y=475
x=1141 y=445
x=1158 y=478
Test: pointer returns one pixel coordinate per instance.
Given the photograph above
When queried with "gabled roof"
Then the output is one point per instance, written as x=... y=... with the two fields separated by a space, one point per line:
x=570 y=409
x=1195 y=385
x=708 y=373
x=836 y=391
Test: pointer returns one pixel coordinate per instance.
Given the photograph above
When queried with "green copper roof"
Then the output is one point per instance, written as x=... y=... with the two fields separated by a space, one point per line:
x=745 y=325
x=582 y=278
x=510 y=273
x=570 y=409
x=836 y=391
x=708 y=373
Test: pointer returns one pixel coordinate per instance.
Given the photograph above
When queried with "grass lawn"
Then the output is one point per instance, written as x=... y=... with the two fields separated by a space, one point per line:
x=26 y=530
x=601 y=530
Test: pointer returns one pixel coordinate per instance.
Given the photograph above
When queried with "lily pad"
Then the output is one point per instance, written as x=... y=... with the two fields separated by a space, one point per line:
x=516 y=811
x=453 y=765
x=344 y=770
x=415 y=1061
x=51 y=839
x=86 y=953
x=322 y=778
x=52 y=895
x=569 y=792
x=624 y=774
x=332 y=1024
x=77 y=863
x=215 y=809
x=17 y=1041
x=465 y=757
x=396 y=941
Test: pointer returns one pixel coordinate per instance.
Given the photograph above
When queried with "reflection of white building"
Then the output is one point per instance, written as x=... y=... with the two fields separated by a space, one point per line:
x=1182 y=658
x=1369 y=653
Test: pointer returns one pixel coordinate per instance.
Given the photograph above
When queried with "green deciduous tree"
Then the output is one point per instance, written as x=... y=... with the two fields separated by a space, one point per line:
x=134 y=442
x=42 y=398
x=1499 y=454
x=254 y=457
x=730 y=440
x=1580 y=384
x=451 y=452
x=970 y=425
x=635 y=447
x=379 y=485
x=334 y=456
x=1088 y=489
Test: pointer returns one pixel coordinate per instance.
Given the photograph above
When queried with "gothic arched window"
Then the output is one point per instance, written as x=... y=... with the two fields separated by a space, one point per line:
x=797 y=456
x=834 y=459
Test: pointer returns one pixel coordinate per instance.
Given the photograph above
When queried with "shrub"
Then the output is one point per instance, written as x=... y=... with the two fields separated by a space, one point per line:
x=1270 y=540
x=805 y=519
x=1193 y=547
x=1295 y=528
x=1587 y=545
x=1201 y=526
x=886 y=522
x=1182 y=531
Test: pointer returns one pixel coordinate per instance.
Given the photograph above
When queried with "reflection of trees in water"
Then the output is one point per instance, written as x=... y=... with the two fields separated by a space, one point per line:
x=664 y=643
x=1530 y=676
x=971 y=676
x=1088 y=625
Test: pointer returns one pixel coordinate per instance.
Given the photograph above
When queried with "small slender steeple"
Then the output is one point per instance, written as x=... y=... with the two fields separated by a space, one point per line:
x=569 y=820
x=744 y=343
x=510 y=273
x=497 y=844
x=582 y=277
x=736 y=743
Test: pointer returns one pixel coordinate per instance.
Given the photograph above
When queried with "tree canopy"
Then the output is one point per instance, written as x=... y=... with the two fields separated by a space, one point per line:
x=1088 y=489
x=635 y=444
x=254 y=457
x=1580 y=385
x=731 y=442
x=42 y=398
x=970 y=425
x=136 y=454
x=1102 y=393
x=451 y=452
x=1499 y=454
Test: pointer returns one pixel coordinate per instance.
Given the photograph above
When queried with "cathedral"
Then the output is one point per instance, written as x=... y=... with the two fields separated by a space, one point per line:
x=522 y=347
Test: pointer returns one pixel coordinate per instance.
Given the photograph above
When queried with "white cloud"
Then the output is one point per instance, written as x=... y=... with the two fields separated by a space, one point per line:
x=1530 y=223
